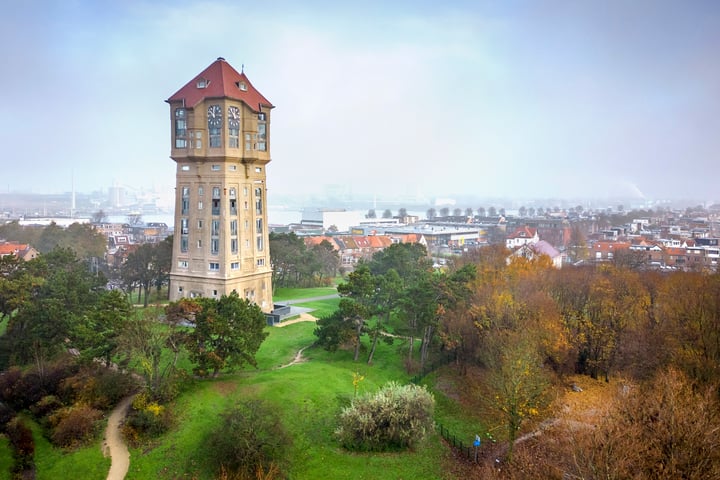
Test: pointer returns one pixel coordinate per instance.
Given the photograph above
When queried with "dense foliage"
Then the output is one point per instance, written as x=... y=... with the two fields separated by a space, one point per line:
x=394 y=418
x=295 y=265
x=227 y=333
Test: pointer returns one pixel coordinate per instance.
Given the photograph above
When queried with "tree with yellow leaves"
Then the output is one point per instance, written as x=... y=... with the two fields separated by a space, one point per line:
x=517 y=384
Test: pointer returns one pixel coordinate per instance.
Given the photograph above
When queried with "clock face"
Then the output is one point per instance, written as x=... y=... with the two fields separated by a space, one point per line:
x=233 y=117
x=214 y=116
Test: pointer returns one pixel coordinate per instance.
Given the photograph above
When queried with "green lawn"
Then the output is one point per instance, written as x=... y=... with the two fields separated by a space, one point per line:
x=5 y=457
x=308 y=396
x=321 y=308
x=283 y=294
x=53 y=463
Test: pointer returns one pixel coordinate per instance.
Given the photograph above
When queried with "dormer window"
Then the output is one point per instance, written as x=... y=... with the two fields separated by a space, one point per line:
x=242 y=86
x=202 y=83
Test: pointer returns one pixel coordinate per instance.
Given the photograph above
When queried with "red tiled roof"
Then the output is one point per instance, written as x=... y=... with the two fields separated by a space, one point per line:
x=610 y=246
x=222 y=80
x=523 y=232
x=12 y=248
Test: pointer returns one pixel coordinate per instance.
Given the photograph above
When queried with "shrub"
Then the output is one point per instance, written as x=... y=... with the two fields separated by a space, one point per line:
x=56 y=373
x=20 y=390
x=6 y=414
x=23 y=446
x=47 y=405
x=394 y=418
x=8 y=379
x=73 y=426
x=146 y=419
x=250 y=440
x=98 y=387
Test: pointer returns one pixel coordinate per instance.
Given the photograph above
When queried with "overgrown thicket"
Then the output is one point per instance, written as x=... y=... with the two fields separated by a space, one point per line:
x=394 y=418
x=68 y=399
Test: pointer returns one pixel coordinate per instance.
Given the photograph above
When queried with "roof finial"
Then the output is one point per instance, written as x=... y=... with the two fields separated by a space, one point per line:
x=242 y=68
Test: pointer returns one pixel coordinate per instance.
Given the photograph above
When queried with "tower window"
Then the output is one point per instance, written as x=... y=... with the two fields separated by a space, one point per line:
x=214 y=266
x=214 y=246
x=185 y=200
x=215 y=168
x=233 y=245
x=180 y=128
x=216 y=201
x=258 y=201
x=184 y=243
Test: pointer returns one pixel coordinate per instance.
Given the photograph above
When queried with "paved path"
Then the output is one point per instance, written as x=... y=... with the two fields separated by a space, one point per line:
x=114 y=445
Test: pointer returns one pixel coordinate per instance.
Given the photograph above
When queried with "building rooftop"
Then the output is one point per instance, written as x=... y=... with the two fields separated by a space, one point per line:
x=220 y=80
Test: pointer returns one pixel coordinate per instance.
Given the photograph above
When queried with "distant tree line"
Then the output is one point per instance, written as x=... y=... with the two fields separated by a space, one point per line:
x=82 y=238
x=295 y=265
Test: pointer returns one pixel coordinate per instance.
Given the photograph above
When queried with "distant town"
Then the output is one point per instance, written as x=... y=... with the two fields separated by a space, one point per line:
x=660 y=235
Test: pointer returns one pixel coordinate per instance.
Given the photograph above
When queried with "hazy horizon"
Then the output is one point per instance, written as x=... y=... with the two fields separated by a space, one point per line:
x=519 y=99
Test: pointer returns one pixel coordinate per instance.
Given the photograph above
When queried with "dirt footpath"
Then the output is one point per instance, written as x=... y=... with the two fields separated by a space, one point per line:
x=114 y=445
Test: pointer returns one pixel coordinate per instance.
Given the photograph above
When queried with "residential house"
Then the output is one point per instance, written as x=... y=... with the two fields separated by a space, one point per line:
x=531 y=251
x=20 y=250
x=605 y=250
x=521 y=236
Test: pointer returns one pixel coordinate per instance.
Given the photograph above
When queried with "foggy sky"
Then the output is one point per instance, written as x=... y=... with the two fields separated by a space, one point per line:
x=515 y=99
